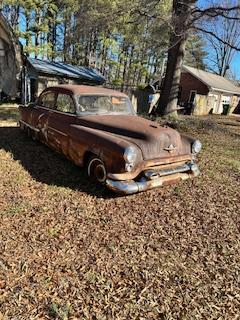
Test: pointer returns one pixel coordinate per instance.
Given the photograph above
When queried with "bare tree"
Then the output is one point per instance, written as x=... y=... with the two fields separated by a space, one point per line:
x=187 y=16
x=222 y=52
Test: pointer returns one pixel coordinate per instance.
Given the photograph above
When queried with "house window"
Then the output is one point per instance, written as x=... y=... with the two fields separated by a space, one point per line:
x=192 y=96
x=65 y=103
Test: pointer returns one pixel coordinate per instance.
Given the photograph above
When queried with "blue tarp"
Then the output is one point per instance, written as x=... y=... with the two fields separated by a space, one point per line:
x=66 y=70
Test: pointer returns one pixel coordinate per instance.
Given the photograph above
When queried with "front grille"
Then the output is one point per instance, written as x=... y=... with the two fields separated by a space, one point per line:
x=151 y=174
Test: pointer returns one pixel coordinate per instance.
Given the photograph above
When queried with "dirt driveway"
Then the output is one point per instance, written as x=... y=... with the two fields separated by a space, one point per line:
x=69 y=250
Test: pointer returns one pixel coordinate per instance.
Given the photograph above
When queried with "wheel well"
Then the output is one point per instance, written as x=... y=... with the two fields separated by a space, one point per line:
x=87 y=156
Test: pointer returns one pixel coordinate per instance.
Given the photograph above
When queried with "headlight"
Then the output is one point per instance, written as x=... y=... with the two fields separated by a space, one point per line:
x=196 y=146
x=130 y=154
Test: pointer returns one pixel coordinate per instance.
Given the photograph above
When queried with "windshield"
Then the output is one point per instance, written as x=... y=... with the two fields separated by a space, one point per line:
x=102 y=104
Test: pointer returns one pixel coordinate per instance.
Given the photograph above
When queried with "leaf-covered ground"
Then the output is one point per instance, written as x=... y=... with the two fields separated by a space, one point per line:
x=71 y=250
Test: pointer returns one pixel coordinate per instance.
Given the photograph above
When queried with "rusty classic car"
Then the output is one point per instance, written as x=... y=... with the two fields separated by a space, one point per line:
x=97 y=128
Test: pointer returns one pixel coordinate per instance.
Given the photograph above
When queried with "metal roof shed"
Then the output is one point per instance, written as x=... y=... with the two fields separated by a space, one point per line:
x=67 y=71
x=40 y=74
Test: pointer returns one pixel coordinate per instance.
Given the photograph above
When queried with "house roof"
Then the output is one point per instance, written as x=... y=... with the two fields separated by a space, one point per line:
x=213 y=81
x=66 y=70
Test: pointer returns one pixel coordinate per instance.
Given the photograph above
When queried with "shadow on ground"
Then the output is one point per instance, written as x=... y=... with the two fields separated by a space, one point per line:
x=47 y=166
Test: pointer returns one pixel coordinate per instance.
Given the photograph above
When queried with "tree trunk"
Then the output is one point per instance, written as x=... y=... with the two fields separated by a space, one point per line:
x=169 y=94
x=54 y=40
x=120 y=61
x=15 y=17
x=124 y=68
x=37 y=32
x=129 y=72
x=27 y=33
x=65 y=39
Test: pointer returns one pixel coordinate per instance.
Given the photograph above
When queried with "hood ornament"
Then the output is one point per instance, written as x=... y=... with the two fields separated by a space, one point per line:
x=170 y=148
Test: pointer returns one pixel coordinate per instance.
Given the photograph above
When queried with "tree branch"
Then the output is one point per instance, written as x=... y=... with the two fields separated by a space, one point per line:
x=214 y=12
x=217 y=37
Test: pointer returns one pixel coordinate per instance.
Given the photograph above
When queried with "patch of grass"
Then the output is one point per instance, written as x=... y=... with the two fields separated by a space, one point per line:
x=56 y=311
x=9 y=113
x=53 y=232
x=234 y=164
x=12 y=210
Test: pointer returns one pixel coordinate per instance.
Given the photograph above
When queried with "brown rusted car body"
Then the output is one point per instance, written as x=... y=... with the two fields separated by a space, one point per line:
x=125 y=152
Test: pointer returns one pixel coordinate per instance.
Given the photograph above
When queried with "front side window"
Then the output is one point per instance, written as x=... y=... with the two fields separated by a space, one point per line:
x=102 y=104
x=47 y=100
x=65 y=103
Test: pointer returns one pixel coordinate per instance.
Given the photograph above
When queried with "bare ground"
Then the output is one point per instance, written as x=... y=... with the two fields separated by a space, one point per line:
x=71 y=250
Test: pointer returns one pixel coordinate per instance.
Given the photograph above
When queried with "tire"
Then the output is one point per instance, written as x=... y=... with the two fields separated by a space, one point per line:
x=34 y=135
x=96 y=169
x=22 y=127
x=29 y=132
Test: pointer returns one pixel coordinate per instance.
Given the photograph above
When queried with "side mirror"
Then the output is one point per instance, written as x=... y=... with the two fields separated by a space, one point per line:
x=31 y=105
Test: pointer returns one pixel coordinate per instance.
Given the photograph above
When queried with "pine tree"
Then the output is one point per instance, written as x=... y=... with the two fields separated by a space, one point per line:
x=195 y=52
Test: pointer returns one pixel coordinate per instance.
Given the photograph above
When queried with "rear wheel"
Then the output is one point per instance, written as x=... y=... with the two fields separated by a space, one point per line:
x=30 y=132
x=34 y=135
x=96 y=169
x=22 y=127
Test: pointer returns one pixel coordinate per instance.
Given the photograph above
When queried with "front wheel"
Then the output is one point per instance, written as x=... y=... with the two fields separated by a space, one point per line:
x=96 y=170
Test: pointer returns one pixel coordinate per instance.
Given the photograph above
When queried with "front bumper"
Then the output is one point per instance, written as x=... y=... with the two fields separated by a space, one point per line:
x=154 y=178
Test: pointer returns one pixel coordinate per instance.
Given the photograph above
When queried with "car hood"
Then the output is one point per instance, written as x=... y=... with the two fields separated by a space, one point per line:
x=153 y=139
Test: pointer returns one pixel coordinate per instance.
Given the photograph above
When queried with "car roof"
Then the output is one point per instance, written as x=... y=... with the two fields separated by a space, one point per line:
x=83 y=89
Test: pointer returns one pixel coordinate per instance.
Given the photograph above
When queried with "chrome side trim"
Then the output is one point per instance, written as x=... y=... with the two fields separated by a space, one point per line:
x=55 y=111
x=28 y=125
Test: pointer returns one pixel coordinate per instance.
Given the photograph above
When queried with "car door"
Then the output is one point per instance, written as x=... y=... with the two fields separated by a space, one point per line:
x=59 y=121
x=41 y=113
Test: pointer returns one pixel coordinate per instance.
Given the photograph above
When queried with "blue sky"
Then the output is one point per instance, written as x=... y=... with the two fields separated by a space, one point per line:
x=235 y=65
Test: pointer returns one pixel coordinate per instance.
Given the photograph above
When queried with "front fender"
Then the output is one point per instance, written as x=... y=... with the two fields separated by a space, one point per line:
x=110 y=148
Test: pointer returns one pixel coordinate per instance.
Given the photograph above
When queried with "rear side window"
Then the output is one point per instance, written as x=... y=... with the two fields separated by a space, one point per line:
x=48 y=100
x=65 y=103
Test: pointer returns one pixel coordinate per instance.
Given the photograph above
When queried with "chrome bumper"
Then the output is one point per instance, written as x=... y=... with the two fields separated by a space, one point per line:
x=153 y=179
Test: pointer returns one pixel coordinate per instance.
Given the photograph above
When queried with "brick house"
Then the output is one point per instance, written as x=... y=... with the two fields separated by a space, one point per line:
x=207 y=91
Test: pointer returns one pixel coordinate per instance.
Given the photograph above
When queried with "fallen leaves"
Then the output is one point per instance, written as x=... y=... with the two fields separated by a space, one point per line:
x=72 y=250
